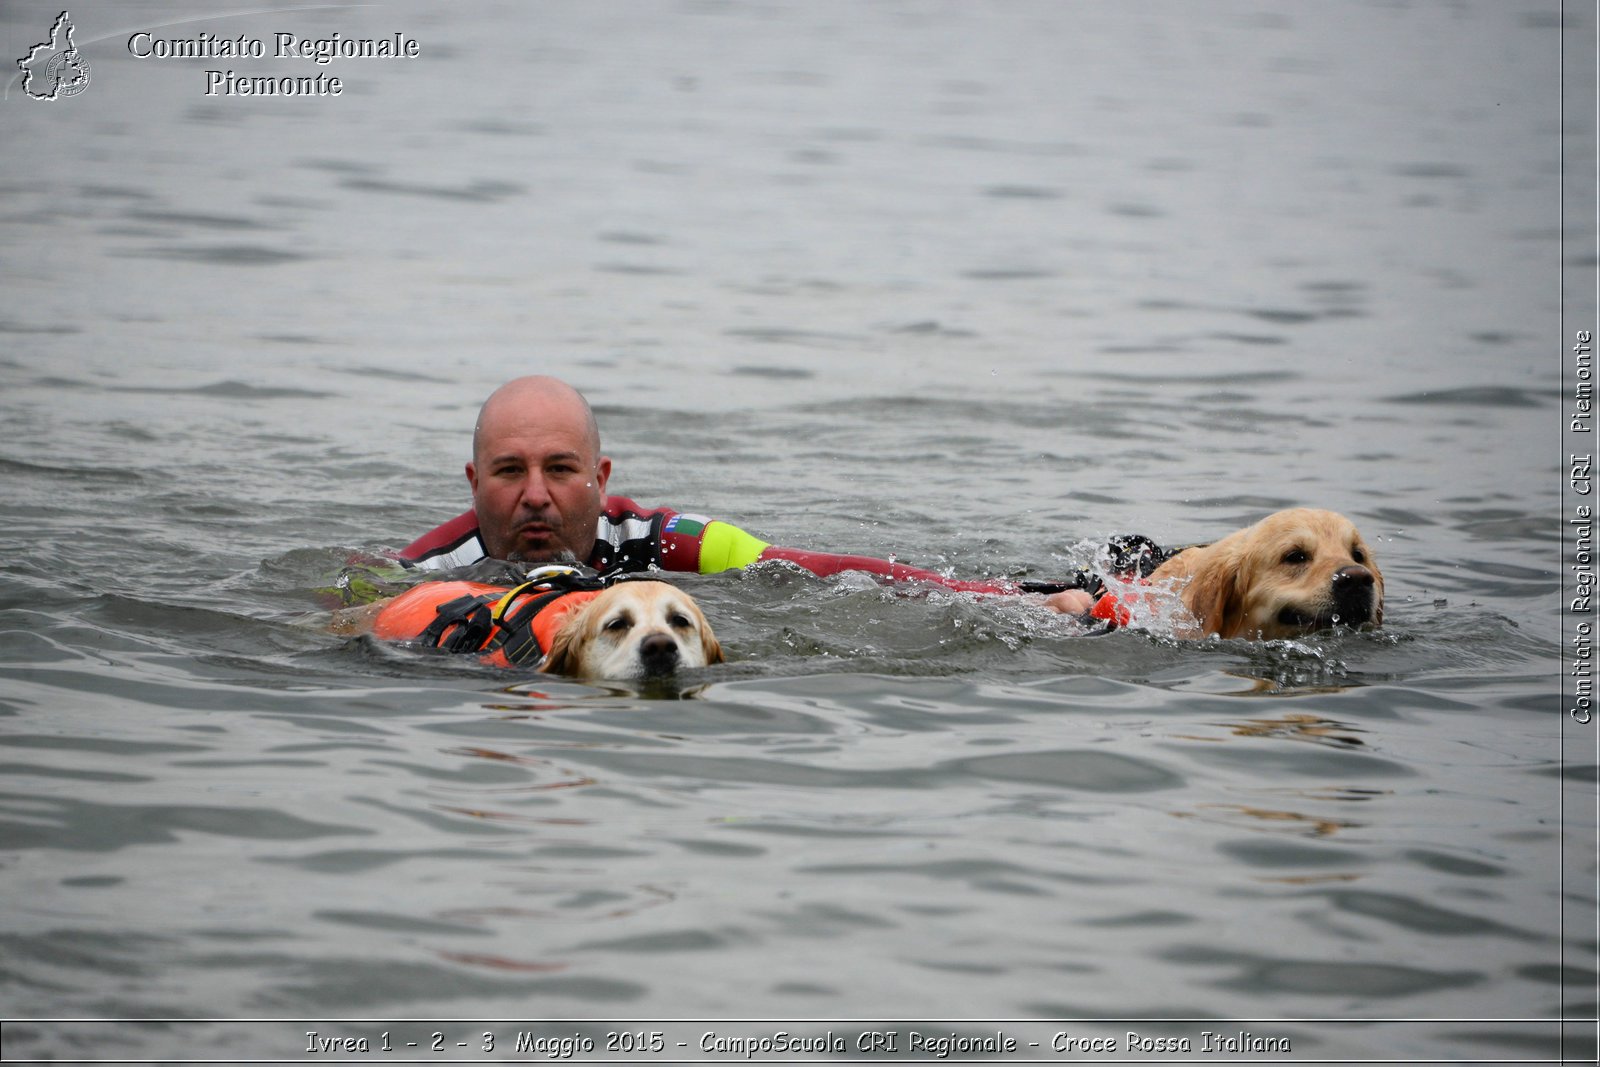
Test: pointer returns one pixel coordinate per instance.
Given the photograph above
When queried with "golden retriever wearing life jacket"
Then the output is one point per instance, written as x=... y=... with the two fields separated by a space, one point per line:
x=1293 y=572
x=630 y=631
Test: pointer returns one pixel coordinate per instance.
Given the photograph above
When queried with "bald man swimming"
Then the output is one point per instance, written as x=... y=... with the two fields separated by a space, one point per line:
x=539 y=482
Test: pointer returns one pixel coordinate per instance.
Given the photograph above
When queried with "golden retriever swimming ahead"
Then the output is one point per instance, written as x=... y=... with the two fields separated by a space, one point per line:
x=633 y=630
x=1291 y=573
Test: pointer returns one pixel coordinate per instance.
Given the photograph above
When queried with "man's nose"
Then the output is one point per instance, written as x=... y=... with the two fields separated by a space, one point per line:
x=535 y=490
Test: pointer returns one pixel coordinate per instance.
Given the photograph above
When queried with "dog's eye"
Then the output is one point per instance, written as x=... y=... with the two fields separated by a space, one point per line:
x=678 y=621
x=621 y=622
x=1296 y=556
x=1358 y=554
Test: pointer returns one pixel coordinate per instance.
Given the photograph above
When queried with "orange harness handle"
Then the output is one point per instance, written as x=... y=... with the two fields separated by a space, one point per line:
x=1111 y=609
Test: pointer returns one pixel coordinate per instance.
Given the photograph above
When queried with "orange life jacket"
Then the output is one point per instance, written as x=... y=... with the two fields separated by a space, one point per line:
x=507 y=626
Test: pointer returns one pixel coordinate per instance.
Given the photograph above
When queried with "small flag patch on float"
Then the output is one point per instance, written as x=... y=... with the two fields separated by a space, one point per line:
x=686 y=525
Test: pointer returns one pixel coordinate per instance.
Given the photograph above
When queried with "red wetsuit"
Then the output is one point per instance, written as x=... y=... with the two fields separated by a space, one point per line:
x=633 y=538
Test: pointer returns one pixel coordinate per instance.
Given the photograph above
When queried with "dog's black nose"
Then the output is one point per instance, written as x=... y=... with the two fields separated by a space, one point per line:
x=658 y=653
x=1353 y=587
x=1353 y=575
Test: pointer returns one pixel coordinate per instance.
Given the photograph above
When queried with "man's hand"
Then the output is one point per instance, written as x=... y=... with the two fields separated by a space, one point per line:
x=1069 y=602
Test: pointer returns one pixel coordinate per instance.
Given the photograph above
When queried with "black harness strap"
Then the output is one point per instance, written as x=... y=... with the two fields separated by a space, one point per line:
x=492 y=621
x=516 y=634
x=1131 y=556
x=469 y=615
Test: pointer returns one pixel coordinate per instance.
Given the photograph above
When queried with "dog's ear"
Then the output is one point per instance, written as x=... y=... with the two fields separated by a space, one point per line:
x=712 y=646
x=1212 y=596
x=1377 y=616
x=562 y=657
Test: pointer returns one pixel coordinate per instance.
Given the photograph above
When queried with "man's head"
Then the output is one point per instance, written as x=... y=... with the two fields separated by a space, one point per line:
x=538 y=478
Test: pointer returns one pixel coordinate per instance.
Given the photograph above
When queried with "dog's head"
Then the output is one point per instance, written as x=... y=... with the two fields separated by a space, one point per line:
x=633 y=631
x=1291 y=573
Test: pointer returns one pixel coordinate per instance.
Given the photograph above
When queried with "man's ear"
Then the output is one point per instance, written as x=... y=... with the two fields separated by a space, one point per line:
x=472 y=476
x=602 y=473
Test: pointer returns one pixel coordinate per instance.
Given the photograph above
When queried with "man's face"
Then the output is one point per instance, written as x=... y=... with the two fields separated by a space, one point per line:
x=538 y=484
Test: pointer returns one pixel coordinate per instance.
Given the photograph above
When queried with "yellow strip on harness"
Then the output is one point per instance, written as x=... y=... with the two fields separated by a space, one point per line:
x=504 y=602
x=725 y=547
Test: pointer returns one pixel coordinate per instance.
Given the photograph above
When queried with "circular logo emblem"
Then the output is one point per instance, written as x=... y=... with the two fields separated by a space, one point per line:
x=67 y=72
